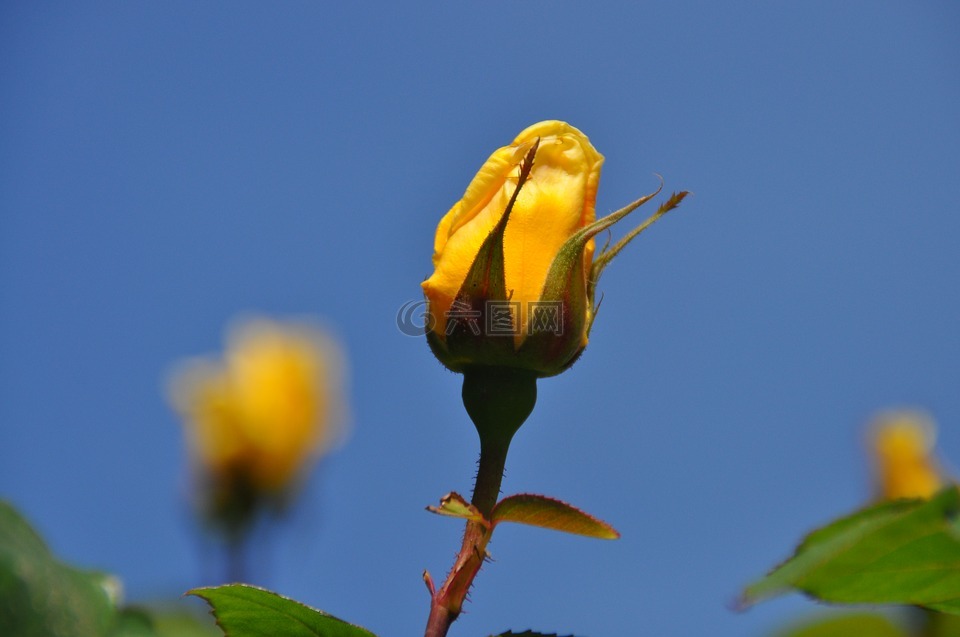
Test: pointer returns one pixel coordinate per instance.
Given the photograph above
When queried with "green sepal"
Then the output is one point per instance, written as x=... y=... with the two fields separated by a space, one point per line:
x=567 y=283
x=563 y=270
x=568 y=286
x=606 y=255
x=484 y=282
x=565 y=291
x=439 y=348
x=602 y=260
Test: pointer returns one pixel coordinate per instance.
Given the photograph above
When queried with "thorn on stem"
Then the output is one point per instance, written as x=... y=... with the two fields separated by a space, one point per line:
x=429 y=582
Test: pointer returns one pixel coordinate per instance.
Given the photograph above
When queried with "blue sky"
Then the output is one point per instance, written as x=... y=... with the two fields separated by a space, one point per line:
x=167 y=166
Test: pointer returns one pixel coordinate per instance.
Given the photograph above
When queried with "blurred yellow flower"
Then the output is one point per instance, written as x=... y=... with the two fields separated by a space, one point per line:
x=902 y=445
x=257 y=420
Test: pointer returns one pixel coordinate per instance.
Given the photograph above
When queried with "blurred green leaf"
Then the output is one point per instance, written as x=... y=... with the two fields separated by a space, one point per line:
x=247 y=611
x=177 y=623
x=42 y=597
x=133 y=623
x=859 y=625
x=941 y=625
x=902 y=552
x=539 y=510
x=526 y=633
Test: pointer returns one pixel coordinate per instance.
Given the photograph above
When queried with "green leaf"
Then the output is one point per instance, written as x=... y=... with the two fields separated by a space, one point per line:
x=861 y=624
x=247 y=611
x=485 y=281
x=454 y=505
x=941 y=625
x=175 y=618
x=133 y=623
x=902 y=552
x=43 y=597
x=539 y=510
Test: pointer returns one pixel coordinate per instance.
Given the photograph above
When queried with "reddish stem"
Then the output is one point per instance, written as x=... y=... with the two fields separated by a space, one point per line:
x=446 y=603
x=497 y=400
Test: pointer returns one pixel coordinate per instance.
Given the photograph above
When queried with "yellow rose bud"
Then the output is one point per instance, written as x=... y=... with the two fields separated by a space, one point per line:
x=902 y=445
x=256 y=421
x=514 y=269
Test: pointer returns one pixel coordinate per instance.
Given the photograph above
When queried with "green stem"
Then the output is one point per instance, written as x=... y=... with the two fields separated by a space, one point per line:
x=486 y=489
x=498 y=401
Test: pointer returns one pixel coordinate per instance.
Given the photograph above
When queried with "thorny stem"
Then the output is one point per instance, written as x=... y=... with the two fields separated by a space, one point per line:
x=447 y=603
x=498 y=401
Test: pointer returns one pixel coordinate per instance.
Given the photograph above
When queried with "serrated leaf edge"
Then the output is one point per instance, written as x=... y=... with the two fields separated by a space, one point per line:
x=213 y=609
x=555 y=501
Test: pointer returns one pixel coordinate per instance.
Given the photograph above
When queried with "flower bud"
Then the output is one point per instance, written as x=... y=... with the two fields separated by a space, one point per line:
x=256 y=421
x=514 y=269
x=902 y=445
x=495 y=248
